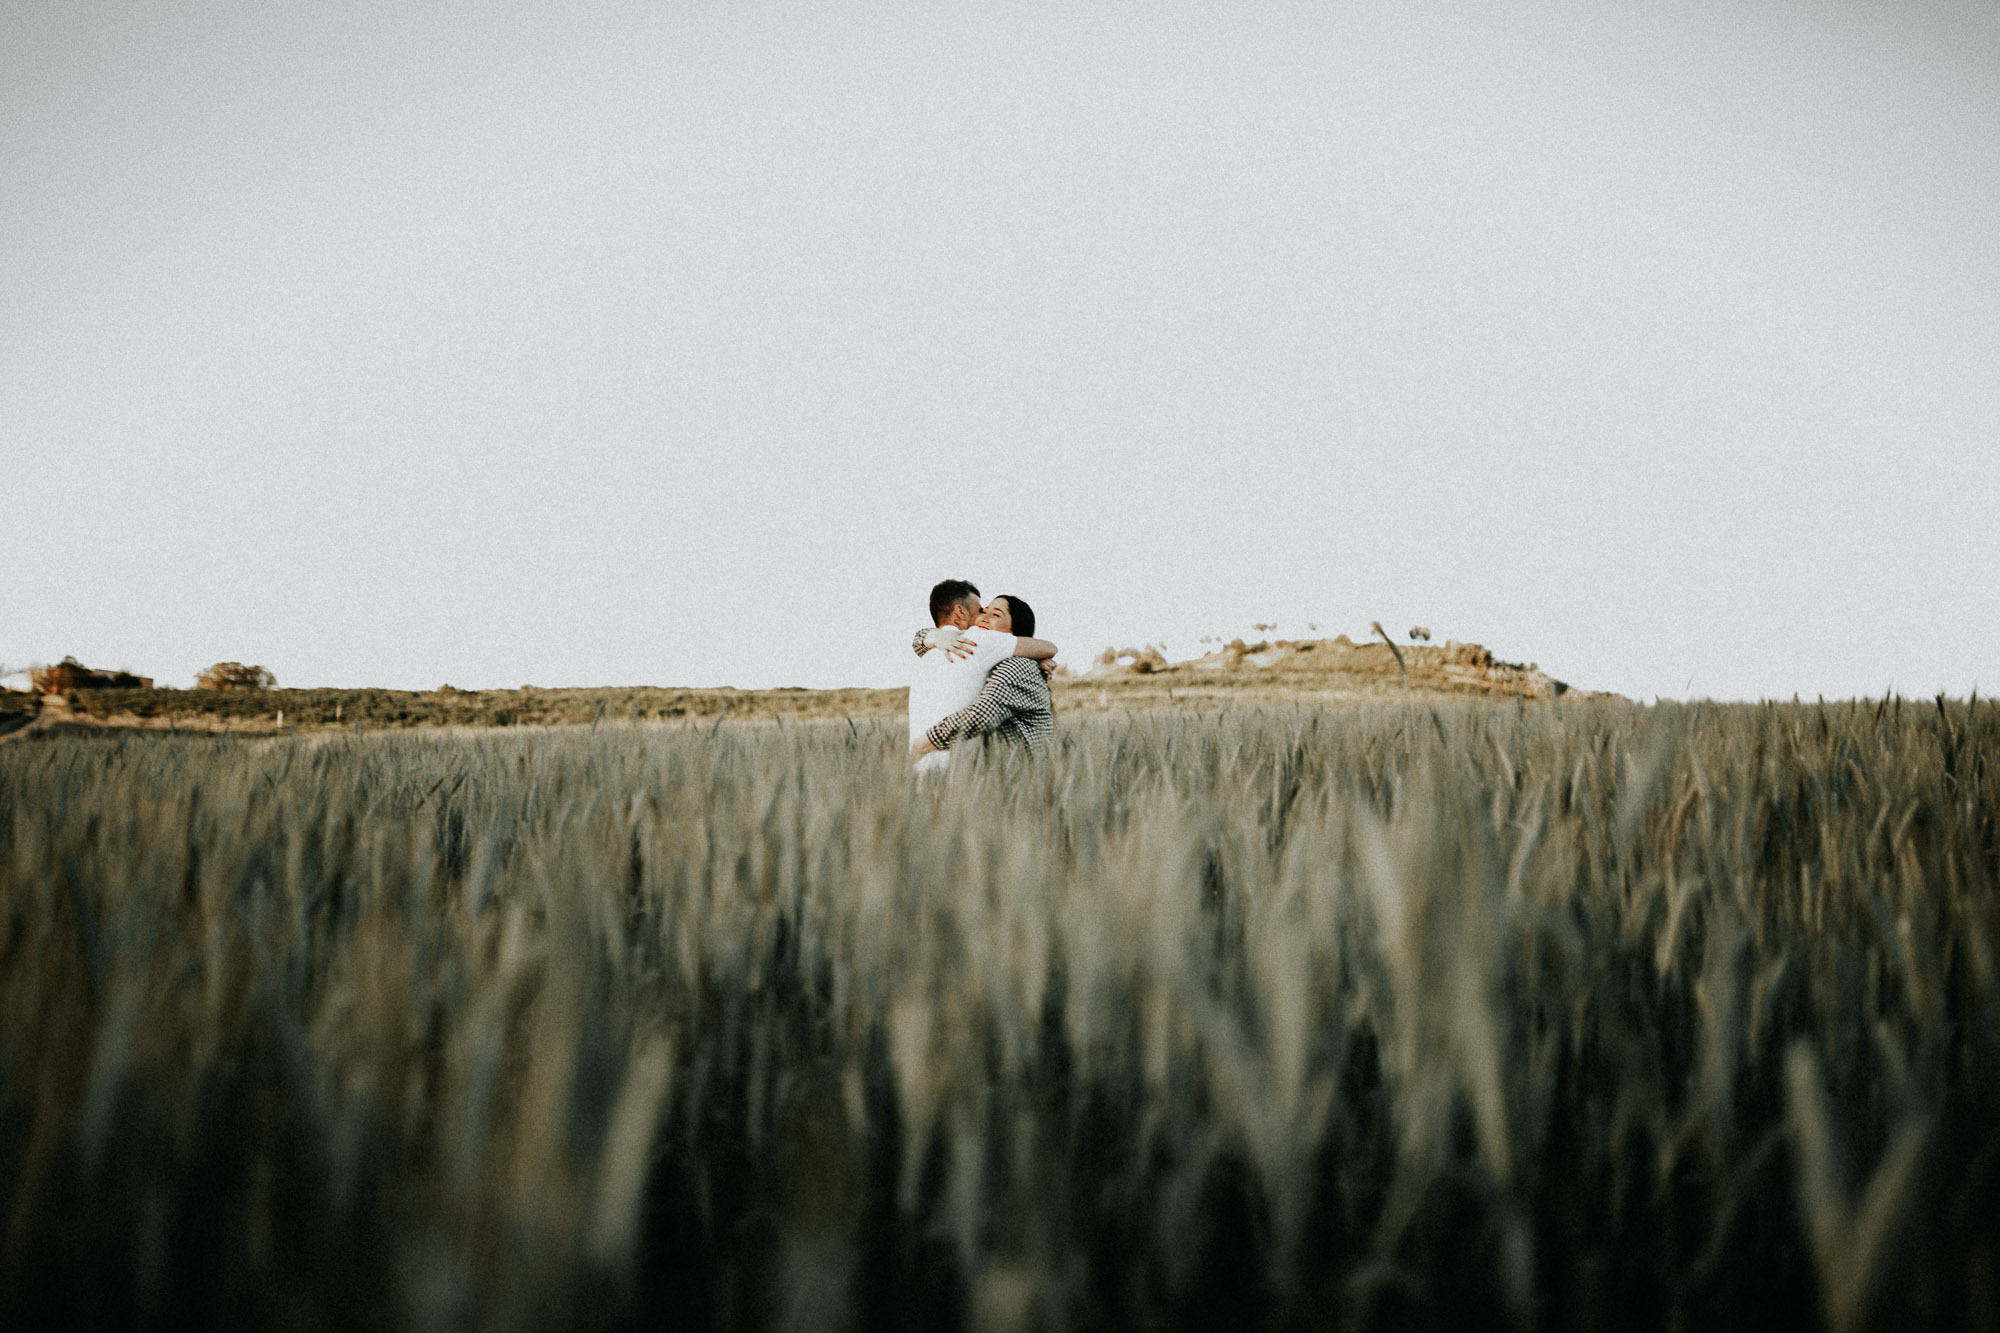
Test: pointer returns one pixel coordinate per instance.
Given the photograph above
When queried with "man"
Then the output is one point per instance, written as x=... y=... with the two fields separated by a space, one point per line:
x=947 y=682
x=1014 y=703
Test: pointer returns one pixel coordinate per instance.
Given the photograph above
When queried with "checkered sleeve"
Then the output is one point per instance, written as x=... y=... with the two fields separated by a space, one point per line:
x=1005 y=694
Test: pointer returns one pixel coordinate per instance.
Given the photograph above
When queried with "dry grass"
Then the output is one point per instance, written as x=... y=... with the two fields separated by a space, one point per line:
x=247 y=711
x=1378 y=1017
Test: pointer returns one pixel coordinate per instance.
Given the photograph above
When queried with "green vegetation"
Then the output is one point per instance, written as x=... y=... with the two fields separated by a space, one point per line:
x=1381 y=1017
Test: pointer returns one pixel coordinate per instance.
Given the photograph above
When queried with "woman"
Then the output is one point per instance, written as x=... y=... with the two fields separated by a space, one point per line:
x=1014 y=702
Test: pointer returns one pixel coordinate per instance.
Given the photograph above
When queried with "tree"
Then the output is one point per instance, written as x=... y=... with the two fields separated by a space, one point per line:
x=235 y=676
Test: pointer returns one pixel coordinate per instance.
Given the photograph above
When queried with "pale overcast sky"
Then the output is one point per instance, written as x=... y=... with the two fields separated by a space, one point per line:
x=689 y=343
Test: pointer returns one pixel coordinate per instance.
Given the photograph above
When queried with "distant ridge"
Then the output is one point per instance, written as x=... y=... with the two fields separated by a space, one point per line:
x=1332 y=670
x=1323 y=668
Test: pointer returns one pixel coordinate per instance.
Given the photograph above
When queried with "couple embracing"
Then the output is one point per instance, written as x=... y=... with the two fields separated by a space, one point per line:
x=979 y=672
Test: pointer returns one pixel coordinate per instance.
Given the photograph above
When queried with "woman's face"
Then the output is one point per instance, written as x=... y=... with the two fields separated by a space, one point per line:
x=996 y=615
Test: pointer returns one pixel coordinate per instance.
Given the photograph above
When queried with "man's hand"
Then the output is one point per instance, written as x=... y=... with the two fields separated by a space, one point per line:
x=1048 y=666
x=922 y=748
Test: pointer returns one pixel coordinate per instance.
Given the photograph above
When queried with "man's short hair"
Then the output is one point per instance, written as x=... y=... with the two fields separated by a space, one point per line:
x=950 y=593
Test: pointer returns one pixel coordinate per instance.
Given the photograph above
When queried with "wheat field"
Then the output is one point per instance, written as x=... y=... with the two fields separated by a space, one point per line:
x=1680 y=1017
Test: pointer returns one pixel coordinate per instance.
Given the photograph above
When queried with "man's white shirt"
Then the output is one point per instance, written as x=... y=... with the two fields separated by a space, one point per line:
x=940 y=686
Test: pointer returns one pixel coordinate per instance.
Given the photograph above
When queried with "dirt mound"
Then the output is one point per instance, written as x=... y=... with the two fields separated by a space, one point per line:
x=1317 y=665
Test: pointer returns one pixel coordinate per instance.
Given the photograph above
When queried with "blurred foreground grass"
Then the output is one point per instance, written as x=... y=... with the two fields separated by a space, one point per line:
x=1379 y=1017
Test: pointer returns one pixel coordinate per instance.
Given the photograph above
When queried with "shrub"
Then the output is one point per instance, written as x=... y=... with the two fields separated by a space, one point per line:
x=235 y=676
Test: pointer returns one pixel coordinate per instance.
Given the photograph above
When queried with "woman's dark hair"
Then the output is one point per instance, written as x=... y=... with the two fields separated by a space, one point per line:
x=1022 y=615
